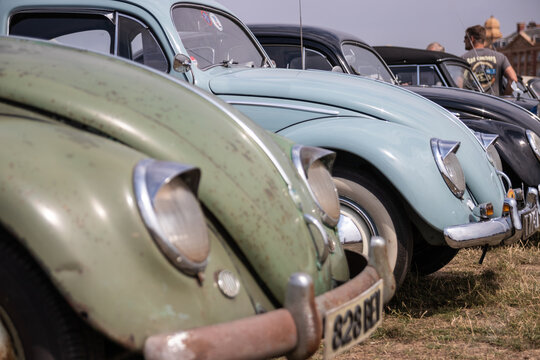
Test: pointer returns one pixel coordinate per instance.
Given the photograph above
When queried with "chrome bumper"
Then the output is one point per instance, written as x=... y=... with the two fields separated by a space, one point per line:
x=503 y=230
x=294 y=331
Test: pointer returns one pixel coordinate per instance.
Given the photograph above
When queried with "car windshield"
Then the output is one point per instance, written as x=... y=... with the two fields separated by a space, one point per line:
x=365 y=63
x=212 y=39
x=534 y=85
x=463 y=77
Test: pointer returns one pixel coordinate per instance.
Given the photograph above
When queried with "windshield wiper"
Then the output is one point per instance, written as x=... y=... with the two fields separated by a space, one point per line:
x=224 y=63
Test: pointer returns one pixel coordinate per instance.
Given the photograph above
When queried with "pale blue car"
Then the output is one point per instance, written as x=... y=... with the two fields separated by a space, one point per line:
x=406 y=169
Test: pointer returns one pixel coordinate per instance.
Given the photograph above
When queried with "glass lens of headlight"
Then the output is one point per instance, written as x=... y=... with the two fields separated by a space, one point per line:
x=166 y=194
x=449 y=166
x=534 y=141
x=181 y=220
x=493 y=157
x=454 y=173
x=323 y=188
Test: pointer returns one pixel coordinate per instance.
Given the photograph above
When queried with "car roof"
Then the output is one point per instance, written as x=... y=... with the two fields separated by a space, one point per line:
x=308 y=32
x=397 y=55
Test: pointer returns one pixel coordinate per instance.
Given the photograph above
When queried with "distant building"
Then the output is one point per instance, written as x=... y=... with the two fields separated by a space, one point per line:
x=522 y=48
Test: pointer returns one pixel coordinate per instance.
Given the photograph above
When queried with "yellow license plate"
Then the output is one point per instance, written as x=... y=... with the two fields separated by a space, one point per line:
x=353 y=322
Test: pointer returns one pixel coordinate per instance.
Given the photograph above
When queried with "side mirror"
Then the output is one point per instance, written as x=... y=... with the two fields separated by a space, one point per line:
x=182 y=63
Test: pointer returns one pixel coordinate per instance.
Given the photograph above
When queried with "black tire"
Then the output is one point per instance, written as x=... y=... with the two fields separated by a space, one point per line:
x=429 y=258
x=385 y=215
x=38 y=320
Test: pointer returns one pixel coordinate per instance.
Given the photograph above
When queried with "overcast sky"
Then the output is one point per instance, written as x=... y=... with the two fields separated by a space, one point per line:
x=393 y=22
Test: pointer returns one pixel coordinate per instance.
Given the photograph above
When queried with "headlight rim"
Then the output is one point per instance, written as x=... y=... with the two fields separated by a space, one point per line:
x=534 y=142
x=303 y=157
x=441 y=149
x=488 y=142
x=149 y=176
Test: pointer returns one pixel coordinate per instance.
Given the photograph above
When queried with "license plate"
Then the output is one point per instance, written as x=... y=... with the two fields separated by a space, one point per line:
x=530 y=224
x=353 y=322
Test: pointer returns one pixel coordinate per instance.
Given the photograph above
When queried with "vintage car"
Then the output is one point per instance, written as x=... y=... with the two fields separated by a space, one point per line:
x=165 y=219
x=406 y=169
x=517 y=129
x=435 y=68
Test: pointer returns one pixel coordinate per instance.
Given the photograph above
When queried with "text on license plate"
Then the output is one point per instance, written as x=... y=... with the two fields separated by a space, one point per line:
x=353 y=322
x=530 y=224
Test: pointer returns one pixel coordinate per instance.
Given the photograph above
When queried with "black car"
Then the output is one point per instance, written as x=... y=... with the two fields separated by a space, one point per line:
x=518 y=130
x=435 y=68
x=518 y=143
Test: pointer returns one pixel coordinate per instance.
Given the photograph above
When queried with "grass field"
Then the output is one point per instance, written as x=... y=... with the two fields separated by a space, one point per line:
x=465 y=310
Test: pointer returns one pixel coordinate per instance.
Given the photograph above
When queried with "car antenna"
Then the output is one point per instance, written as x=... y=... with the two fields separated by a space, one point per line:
x=302 y=53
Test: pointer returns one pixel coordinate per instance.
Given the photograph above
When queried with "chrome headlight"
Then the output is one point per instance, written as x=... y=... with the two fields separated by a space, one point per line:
x=448 y=164
x=534 y=141
x=488 y=142
x=167 y=200
x=315 y=165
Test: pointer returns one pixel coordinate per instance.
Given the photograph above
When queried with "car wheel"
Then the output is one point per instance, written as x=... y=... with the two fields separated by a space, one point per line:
x=428 y=258
x=35 y=321
x=368 y=210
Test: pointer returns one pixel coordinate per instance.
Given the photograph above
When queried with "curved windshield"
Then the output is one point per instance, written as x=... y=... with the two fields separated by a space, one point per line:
x=463 y=77
x=534 y=85
x=212 y=39
x=365 y=63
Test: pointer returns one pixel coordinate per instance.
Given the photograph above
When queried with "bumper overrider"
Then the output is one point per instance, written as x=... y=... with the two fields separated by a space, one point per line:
x=520 y=222
x=295 y=330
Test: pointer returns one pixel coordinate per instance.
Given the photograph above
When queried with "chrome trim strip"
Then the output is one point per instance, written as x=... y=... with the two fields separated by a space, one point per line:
x=506 y=178
x=285 y=106
x=329 y=245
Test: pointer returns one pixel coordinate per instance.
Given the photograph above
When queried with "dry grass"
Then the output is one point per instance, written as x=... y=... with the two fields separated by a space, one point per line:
x=465 y=310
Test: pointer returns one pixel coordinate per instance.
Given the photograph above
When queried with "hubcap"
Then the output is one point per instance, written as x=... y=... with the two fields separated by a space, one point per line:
x=10 y=344
x=355 y=227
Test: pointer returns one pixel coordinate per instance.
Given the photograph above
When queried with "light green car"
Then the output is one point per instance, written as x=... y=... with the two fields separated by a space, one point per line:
x=153 y=212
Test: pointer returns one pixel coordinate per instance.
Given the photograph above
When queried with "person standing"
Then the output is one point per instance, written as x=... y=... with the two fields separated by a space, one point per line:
x=435 y=46
x=488 y=65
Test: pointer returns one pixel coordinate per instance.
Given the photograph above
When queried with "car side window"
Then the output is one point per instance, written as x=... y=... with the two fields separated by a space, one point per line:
x=406 y=75
x=289 y=57
x=94 y=32
x=136 y=42
x=429 y=76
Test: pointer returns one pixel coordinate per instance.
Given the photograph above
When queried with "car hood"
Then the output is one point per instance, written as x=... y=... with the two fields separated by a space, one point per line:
x=244 y=189
x=374 y=98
